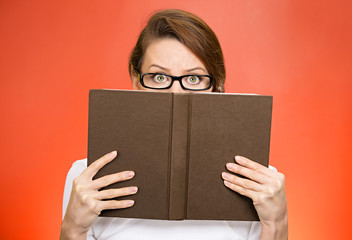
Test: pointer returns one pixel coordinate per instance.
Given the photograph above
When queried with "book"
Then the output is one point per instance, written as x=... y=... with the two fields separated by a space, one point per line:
x=178 y=145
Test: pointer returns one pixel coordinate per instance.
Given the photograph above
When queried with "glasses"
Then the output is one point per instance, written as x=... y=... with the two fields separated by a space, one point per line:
x=187 y=82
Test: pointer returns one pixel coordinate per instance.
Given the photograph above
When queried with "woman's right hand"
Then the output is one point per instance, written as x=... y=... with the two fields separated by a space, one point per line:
x=86 y=201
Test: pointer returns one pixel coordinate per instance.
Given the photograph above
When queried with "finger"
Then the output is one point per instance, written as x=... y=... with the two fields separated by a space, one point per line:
x=92 y=169
x=113 y=193
x=240 y=190
x=244 y=183
x=246 y=172
x=253 y=165
x=114 y=204
x=112 y=178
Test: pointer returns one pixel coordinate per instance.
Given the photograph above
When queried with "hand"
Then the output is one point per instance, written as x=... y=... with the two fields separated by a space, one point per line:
x=86 y=200
x=267 y=190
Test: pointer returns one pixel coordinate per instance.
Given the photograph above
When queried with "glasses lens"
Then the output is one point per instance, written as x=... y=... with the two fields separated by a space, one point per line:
x=156 y=80
x=196 y=82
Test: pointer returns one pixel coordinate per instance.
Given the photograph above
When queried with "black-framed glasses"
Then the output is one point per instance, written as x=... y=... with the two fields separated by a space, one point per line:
x=191 y=82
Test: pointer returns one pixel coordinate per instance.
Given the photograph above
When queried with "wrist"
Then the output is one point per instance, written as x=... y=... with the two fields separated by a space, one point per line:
x=276 y=230
x=68 y=232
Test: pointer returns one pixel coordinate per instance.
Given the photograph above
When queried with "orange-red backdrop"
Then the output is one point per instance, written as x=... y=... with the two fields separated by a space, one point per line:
x=52 y=52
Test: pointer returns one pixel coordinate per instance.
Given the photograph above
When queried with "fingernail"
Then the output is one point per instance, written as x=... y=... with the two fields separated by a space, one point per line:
x=113 y=154
x=230 y=166
x=225 y=175
x=130 y=202
x=133 y=189
x=130 y=174
x=239 y=159
x=227 y=183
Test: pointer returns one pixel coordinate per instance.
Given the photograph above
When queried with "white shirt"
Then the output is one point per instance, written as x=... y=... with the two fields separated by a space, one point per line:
x=142 y=229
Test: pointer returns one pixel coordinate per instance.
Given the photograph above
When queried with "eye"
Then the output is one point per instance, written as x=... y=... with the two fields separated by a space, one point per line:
x=193 y=79
x=159 y=78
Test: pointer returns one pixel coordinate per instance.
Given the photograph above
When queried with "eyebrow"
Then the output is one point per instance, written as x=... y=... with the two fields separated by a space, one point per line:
x=196 y=68
x=155 y=65
x=166 y=69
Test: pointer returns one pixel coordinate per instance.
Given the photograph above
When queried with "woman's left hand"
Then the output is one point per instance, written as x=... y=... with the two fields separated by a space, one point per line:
x=265 y=187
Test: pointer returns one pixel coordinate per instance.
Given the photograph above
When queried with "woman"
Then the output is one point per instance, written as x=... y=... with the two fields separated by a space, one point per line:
x=174 y=43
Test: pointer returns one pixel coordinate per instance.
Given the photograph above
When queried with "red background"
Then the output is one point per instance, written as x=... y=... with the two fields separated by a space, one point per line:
x=53 y=52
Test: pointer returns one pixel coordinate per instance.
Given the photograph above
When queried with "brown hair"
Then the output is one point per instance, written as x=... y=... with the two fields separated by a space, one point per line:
x=191 y=31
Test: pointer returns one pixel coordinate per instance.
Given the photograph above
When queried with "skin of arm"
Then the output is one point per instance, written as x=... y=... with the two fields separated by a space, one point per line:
x=86 y=201
x=266 y=188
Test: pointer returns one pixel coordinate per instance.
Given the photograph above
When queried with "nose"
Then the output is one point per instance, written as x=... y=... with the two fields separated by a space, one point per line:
x=176 y=88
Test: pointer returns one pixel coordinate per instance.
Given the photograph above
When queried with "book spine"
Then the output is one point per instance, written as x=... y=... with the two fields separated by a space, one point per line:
x=189 y=127
x=179 y=154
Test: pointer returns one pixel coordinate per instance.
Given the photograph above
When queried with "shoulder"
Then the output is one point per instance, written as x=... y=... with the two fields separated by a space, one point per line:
x=76 y=169
x=272 y=168
x=79 y=165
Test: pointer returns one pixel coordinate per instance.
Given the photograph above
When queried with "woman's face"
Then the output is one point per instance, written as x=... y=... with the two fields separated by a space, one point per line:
x=169 y=56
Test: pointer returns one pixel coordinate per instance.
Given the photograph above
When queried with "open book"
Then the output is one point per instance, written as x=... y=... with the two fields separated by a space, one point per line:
x=178 y=145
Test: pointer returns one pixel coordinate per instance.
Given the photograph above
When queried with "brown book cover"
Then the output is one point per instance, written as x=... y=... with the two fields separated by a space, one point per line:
x=178 y=145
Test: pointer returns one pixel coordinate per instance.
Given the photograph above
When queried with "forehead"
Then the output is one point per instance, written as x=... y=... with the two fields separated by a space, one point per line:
x=170 y=54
